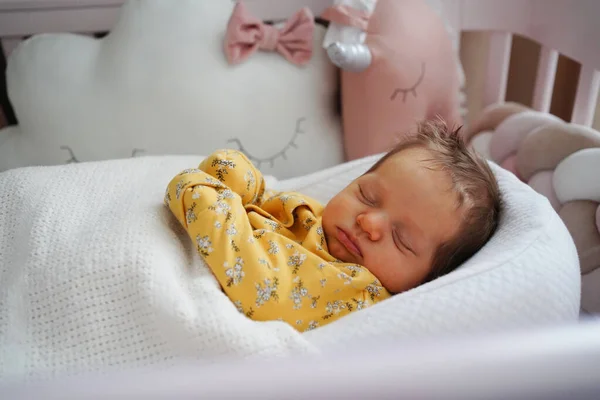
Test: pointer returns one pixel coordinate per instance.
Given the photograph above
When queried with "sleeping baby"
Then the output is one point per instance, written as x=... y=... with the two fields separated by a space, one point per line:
x=422 y=210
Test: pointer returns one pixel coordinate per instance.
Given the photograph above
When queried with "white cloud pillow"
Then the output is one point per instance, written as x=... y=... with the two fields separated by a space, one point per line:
x=159 y=84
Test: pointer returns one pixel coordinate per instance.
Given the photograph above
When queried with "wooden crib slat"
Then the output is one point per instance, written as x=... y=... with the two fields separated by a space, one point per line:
x=9 y=44
x=497 y=68
x=544 y=82
x=586 y=96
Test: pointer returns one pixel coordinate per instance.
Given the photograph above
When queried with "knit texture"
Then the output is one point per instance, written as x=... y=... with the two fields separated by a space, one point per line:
x=96 y=275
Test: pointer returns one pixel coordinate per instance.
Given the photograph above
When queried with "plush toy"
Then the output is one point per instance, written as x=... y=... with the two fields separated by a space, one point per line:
x=398 y=65
x=183 y=77
x=559 y=160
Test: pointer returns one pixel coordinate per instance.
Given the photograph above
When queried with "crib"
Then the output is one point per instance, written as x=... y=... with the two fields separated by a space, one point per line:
x=561 y=28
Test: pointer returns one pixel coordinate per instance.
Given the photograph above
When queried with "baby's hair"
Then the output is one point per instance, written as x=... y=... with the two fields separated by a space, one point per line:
x=473 y=182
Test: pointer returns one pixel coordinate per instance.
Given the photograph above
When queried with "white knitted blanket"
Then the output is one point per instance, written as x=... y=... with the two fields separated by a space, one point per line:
x=105 y=278
x=96 y=275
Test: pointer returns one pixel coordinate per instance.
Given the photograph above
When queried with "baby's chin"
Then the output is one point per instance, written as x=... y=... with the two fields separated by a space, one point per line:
x=336 y=251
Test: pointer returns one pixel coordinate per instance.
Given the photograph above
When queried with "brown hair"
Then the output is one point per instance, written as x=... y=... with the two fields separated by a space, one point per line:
x=473 y=182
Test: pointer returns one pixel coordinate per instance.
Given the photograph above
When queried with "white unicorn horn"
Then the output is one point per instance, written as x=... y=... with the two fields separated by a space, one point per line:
x=350 y=57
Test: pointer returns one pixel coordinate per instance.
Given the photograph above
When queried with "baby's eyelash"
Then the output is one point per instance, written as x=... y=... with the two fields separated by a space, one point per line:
x=362 y=194
x=402 y=243
x=412 y=89
x=397 y=240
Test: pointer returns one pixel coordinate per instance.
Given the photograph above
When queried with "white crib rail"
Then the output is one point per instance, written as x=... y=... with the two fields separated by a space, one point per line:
x=558 y=362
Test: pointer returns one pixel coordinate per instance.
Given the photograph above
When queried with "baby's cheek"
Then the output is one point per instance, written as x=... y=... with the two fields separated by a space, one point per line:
x=345 y=206
x=390 y=270
x=332 y=210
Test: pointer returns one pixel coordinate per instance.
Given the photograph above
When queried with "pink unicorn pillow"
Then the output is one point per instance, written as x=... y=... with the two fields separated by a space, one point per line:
x=398 y=67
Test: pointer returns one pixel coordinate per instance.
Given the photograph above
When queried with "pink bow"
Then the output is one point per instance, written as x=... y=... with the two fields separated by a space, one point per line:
x=247 y=34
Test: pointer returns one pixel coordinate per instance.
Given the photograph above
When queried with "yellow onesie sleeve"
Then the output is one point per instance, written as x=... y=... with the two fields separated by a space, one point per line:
x=233 y=169
x=268 y=275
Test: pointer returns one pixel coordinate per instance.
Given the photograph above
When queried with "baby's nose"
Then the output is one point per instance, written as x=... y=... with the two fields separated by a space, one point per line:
x=372 y=224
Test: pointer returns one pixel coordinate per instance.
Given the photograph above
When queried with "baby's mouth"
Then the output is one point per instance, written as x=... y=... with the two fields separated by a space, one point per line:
x=348 y=243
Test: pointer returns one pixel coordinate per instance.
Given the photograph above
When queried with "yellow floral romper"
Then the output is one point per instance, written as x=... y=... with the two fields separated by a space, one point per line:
x=266 y=249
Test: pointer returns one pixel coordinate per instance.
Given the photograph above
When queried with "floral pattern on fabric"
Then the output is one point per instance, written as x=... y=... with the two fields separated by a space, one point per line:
x=267 y=249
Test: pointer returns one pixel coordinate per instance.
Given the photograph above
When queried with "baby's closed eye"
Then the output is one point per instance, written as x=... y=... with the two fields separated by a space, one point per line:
x=366 y=197
x=401 y=242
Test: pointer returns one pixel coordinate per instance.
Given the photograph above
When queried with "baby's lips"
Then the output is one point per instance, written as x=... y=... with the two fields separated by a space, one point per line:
x=349 y=242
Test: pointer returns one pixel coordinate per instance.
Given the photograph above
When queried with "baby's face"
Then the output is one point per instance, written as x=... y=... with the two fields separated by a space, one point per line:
x=393 y=219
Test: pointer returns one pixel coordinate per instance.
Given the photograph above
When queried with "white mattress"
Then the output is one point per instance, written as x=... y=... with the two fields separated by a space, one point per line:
x=95 y=274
